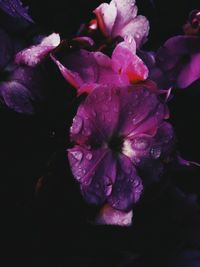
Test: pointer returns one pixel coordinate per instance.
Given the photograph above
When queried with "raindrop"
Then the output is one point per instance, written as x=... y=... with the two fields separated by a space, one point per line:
x=77 y=125
x=78 y=155
x=89 y=156
x=134 y=120
x=140 y=144
x=156 y=152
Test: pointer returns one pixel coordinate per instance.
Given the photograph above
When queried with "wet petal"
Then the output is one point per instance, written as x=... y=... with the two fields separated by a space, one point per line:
x=33 y=55
x=140 y=112
x=95 y=170
x=125 y=61
x=110 y=216
x=17 y=97
x=15 y=9
x=126 y=11
x=99 y=119
x=138 y=28
x=128 y=185
x=106 y=15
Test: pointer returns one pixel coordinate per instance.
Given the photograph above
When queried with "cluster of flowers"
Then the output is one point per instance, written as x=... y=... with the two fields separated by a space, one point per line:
x=120 y=130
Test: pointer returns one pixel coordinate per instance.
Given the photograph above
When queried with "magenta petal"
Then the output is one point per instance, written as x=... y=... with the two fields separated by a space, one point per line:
x=106 y=15
x=99 y=119
x=190 y=72
x=175 y=49
x=128 y=185
x=95 y=170
x=140 y=112
x=125 y=61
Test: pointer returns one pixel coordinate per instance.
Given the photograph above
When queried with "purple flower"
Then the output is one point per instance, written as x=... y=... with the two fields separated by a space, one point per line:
x=115 y=132
x=15 y=9
x=178 y=60
x=87 y=70
x=119 y=18
x=26 y=78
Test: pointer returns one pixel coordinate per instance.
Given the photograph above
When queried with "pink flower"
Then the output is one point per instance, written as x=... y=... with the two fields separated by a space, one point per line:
x=86 y=70
x=119 y=18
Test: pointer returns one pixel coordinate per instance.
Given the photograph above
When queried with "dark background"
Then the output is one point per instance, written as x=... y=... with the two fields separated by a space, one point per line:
x=53 y=227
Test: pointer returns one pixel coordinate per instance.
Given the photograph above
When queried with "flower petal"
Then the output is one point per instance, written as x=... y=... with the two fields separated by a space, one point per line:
x=99 y=120
x=110 y=216
x=138 y=28
x=126 y=11
x=95 y=170
x=106 y=16
x=190 y=72
x=128 y=185
x=140 y=112
x=15 y=9
x=17 y=97
x=125 y=61
x=33 y=55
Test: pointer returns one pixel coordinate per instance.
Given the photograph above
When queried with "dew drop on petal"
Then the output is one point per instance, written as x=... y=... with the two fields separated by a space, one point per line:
x=140 y=144
x=89 y=156
x=156 y=152
x=78 y=155
x=77 y=125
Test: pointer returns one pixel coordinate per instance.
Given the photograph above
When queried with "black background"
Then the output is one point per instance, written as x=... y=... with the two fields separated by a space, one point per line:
x=54 y=227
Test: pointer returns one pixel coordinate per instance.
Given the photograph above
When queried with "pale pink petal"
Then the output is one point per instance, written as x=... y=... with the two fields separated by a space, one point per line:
x=111 y=216
x=138 y=28
x=36 y=53
x=106 y=15
x=126 y=12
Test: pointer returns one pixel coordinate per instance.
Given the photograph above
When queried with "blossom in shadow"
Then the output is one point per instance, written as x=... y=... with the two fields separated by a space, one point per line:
x=177 y=62
x=115 y=132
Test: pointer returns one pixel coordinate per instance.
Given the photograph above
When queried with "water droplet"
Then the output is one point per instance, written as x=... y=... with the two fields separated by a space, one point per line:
x=140 y=144
x=87 y=132
x=77 y=125
x=89 y=156
x=156 y=152
x=115 y=109
x=78 y=155
x=137 y=160
x=136 y=183
x=134 y=121
x=137 y=36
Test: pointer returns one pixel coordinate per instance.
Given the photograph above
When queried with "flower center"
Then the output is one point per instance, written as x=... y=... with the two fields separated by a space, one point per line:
x=116 y=144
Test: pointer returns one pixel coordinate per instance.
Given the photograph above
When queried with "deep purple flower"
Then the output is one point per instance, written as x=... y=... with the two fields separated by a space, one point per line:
x=119 y=18
x=26 y=78
x=178 y=61
x=15 y=9
x=116 y=131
